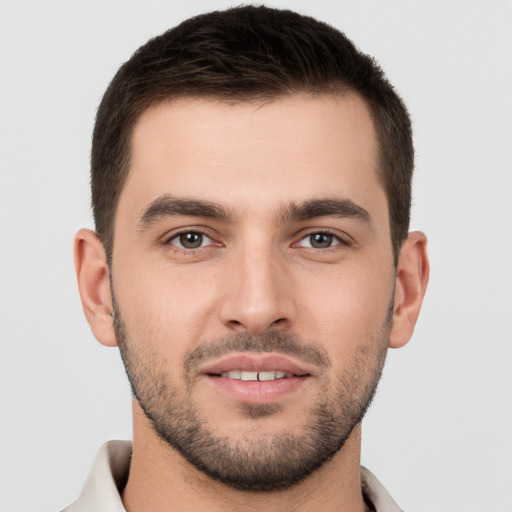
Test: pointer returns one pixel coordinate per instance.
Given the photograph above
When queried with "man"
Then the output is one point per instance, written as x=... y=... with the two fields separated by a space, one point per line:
x=251 y=185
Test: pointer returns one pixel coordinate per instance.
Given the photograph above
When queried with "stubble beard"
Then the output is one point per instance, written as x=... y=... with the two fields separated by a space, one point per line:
x=256 y=462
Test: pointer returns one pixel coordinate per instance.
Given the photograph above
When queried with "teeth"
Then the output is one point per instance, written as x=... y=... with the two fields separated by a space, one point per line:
x=255 y=376
x=266 y=375
x=248 y=375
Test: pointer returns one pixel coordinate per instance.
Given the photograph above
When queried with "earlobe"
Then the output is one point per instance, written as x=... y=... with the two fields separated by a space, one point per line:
x=92 y=274
x=411 y=283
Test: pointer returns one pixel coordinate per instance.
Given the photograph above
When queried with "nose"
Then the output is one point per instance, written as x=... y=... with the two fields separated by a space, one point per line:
x=259 y=293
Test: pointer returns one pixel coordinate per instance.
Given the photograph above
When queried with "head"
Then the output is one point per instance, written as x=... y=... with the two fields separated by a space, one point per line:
x=240 y=55
x=251 y=176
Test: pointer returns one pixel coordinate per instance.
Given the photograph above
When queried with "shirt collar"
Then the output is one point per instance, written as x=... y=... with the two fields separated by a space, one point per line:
x=109 y=475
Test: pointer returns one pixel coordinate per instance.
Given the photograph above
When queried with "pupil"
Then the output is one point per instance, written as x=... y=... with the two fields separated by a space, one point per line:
x=191 y=240
x=321 y=240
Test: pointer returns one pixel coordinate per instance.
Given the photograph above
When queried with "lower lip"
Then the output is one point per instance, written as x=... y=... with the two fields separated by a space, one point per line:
x=256 y=392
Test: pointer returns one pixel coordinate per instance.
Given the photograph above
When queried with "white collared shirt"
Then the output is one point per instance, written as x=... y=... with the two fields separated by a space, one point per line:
x=109 y=474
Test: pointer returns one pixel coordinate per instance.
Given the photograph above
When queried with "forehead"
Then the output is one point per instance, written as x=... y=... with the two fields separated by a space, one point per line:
x=254 y=154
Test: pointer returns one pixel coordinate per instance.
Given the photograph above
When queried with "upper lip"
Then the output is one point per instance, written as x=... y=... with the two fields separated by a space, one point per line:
x=256 y=362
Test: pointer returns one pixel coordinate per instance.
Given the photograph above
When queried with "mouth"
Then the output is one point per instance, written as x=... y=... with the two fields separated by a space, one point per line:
x=256 y=378
x=264 y=376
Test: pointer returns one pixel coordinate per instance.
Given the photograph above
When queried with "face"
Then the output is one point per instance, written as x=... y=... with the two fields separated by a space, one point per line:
x=253 y=280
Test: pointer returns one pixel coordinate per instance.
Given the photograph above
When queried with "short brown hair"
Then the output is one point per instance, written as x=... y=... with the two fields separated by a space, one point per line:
x=241 y=54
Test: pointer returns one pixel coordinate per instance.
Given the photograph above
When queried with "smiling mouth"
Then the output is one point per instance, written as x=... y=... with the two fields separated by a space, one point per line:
x=257 y=378
x=257 y=387
x=261 y=376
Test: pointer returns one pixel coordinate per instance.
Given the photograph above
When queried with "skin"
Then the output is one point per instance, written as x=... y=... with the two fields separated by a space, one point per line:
x=255 y=273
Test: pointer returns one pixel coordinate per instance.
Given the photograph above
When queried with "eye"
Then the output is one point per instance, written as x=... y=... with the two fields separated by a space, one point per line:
x=190 y=240
x=320 y=241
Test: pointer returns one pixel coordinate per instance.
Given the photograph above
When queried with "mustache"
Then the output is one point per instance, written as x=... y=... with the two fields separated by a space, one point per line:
x=278 y=342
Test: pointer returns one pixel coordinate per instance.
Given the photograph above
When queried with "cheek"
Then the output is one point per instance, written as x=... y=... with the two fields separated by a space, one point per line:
x=345 y=307
x=166 y=308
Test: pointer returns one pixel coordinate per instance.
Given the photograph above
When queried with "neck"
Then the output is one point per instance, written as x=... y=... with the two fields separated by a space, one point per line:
x=161 y=480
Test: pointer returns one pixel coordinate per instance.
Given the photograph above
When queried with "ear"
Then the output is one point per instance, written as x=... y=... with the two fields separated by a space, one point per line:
x=411 y=282
x=92 y=274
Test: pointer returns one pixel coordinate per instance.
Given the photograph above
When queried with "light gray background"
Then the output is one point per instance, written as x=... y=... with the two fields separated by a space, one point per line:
x=439 y=433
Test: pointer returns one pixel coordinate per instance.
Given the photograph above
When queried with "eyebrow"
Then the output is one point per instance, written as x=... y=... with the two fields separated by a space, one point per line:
x=342 y=208
x=170 y=206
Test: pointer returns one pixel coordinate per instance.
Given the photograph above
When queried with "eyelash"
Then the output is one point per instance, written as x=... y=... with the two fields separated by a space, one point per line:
x=190 y=251
x=341 y=241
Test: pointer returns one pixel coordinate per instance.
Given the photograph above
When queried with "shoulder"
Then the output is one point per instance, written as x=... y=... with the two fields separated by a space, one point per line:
x=107 y=478
x=375 y=494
